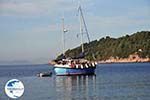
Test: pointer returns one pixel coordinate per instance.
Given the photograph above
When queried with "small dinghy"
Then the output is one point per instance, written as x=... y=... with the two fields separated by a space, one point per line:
x=44 y=74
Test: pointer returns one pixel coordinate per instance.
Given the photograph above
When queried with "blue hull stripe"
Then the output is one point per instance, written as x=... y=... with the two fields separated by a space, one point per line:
x=73 y=71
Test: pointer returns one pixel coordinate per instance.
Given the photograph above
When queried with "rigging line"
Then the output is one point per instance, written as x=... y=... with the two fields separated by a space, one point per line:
x=85 y=26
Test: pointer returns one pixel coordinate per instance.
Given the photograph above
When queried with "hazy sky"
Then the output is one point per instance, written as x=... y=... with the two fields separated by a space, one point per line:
x=30 y=30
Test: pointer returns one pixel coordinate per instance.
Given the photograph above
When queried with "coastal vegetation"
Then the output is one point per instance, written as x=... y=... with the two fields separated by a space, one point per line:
x=118 y=48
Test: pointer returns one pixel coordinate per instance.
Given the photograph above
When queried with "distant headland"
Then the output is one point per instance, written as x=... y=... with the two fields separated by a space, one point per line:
x=128 y=48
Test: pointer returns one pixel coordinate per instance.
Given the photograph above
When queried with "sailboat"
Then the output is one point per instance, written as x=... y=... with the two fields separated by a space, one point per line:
x=78 y=65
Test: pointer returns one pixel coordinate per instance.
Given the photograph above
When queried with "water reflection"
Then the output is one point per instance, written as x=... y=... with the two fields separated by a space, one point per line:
x=76 y=87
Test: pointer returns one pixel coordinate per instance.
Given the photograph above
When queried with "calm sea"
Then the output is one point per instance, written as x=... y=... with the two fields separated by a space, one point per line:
x=130 y=81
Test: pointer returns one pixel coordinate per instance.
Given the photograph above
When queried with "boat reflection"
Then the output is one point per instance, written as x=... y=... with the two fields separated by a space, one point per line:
x=75 y=87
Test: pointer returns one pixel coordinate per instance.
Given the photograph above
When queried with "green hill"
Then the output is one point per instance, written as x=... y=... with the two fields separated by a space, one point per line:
x=122 y=47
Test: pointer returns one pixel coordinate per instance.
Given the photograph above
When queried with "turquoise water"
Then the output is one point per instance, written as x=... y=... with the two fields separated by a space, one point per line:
x=130 y=81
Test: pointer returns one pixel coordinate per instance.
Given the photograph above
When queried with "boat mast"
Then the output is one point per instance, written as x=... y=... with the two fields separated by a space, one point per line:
x=81 y=30
x=82 y=21
x=63 y=36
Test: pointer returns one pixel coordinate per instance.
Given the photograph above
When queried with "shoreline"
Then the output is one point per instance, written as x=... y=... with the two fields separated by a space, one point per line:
x=133 y=58
x=125 y=60
x=99 y=62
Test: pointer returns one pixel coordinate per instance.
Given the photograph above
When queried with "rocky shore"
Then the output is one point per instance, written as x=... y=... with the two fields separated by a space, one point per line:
x=132 y=58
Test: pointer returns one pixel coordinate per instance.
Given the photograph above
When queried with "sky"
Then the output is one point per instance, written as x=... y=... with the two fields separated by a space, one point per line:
x=31 y=30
